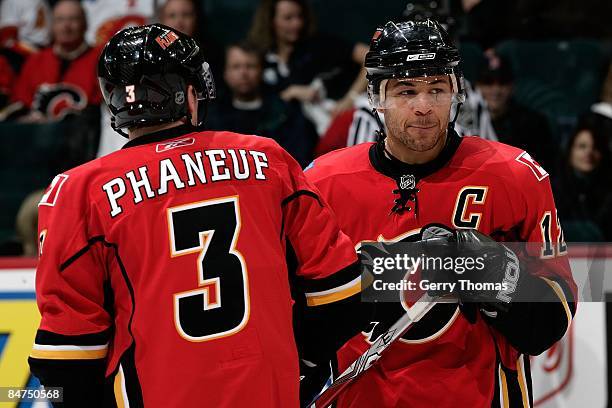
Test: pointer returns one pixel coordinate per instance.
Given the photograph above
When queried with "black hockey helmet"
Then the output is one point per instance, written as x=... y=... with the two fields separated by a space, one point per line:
x=408 y=49
x=144 y=73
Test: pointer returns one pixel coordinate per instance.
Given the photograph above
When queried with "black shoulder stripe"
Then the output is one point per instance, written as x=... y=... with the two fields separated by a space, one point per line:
x=339 y=278
x=301 y=193
x=54 y=339
x=91 y=242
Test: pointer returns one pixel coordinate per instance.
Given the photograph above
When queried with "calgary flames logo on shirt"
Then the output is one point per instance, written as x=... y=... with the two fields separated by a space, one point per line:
x=55 y=101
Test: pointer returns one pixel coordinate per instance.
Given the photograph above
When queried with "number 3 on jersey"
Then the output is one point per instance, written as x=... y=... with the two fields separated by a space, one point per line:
x=220 y=306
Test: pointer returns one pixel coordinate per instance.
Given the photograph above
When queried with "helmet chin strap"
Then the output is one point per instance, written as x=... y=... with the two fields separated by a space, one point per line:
x=380 y=133
x=202 y=111
x=118 y=130
x=452 y=122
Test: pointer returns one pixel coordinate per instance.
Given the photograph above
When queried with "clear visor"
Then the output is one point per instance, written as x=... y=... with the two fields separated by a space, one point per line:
x=410 y=92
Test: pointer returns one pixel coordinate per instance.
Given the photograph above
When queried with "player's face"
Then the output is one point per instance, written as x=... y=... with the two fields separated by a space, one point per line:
x=288 y=21
x=242 y=72
x=584 y=156
x=180 y=15
x=68 y=24
x=418 y=110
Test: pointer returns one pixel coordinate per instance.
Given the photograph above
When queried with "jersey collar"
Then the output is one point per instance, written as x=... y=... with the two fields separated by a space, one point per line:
x=394 y=168
x=161 y=135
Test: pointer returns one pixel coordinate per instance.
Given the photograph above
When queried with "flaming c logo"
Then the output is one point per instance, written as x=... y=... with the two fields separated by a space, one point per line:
x=57 y=100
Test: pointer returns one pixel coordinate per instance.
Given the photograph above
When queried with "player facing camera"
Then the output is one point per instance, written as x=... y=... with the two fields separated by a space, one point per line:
x=154 y=75
x=423 y=182
x=414 y=79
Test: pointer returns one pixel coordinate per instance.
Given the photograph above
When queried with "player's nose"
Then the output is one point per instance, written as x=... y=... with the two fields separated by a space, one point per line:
x=422 y=104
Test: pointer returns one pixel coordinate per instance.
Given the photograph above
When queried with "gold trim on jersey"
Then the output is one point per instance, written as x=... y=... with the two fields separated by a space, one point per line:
x=523 y=381
x=119 y=389
x=48 y=352
x=557 y=288
x=503 y=388
x=335 y=294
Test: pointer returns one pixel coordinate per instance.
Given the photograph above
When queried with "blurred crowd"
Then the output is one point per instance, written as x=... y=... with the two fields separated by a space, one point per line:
x=291 y=80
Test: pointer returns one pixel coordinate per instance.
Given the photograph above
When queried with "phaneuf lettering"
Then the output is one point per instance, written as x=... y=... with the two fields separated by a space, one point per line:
x=189 y=170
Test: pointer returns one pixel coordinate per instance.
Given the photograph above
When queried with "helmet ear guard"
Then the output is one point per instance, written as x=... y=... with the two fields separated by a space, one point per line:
x=207 y=92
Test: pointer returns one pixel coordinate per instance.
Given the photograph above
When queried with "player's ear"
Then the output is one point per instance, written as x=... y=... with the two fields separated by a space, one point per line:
x=192 y=102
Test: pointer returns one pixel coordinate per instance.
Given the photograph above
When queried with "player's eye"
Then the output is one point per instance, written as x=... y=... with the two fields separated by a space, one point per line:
x=436 y=91
x=407 y=92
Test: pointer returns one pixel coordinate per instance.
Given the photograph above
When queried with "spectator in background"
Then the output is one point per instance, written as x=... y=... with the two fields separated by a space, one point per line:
x=301 y=64
x=248 y=110
x=187 y=17
x=60 y=79
x=7 y=78
x=27 y=223
x=513 y=123
x=583 y=189
x=24 y=24
x=107 y=17
x=180 y=15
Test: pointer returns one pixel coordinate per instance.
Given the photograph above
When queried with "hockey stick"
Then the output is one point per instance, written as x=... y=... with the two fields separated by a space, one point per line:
x=367 y=359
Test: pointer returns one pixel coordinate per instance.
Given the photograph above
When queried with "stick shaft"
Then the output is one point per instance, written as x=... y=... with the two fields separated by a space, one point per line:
x=367 y=359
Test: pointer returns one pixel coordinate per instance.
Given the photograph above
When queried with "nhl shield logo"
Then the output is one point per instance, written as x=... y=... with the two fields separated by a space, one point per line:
x=407 y=181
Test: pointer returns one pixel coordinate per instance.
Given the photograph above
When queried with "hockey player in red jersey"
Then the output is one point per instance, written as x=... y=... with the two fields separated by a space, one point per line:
x=421 y=172
x=162 y=279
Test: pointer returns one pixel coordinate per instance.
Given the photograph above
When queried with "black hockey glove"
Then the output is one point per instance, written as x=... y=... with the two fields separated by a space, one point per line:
x=485 y=273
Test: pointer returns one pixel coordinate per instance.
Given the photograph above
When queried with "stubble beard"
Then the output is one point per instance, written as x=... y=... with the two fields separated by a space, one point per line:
x=415 y=143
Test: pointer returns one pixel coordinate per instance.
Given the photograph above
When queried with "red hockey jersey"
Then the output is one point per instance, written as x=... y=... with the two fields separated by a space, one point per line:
x=444 y=361
x=167 y=259
x=65 y=84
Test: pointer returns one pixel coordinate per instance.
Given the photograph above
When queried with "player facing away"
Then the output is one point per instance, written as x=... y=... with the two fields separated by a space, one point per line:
x=162 y=279
x=421 y=172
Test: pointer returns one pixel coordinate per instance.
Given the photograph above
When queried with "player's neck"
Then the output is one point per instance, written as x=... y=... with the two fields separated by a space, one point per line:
x=134 y=133
x=409 y=156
